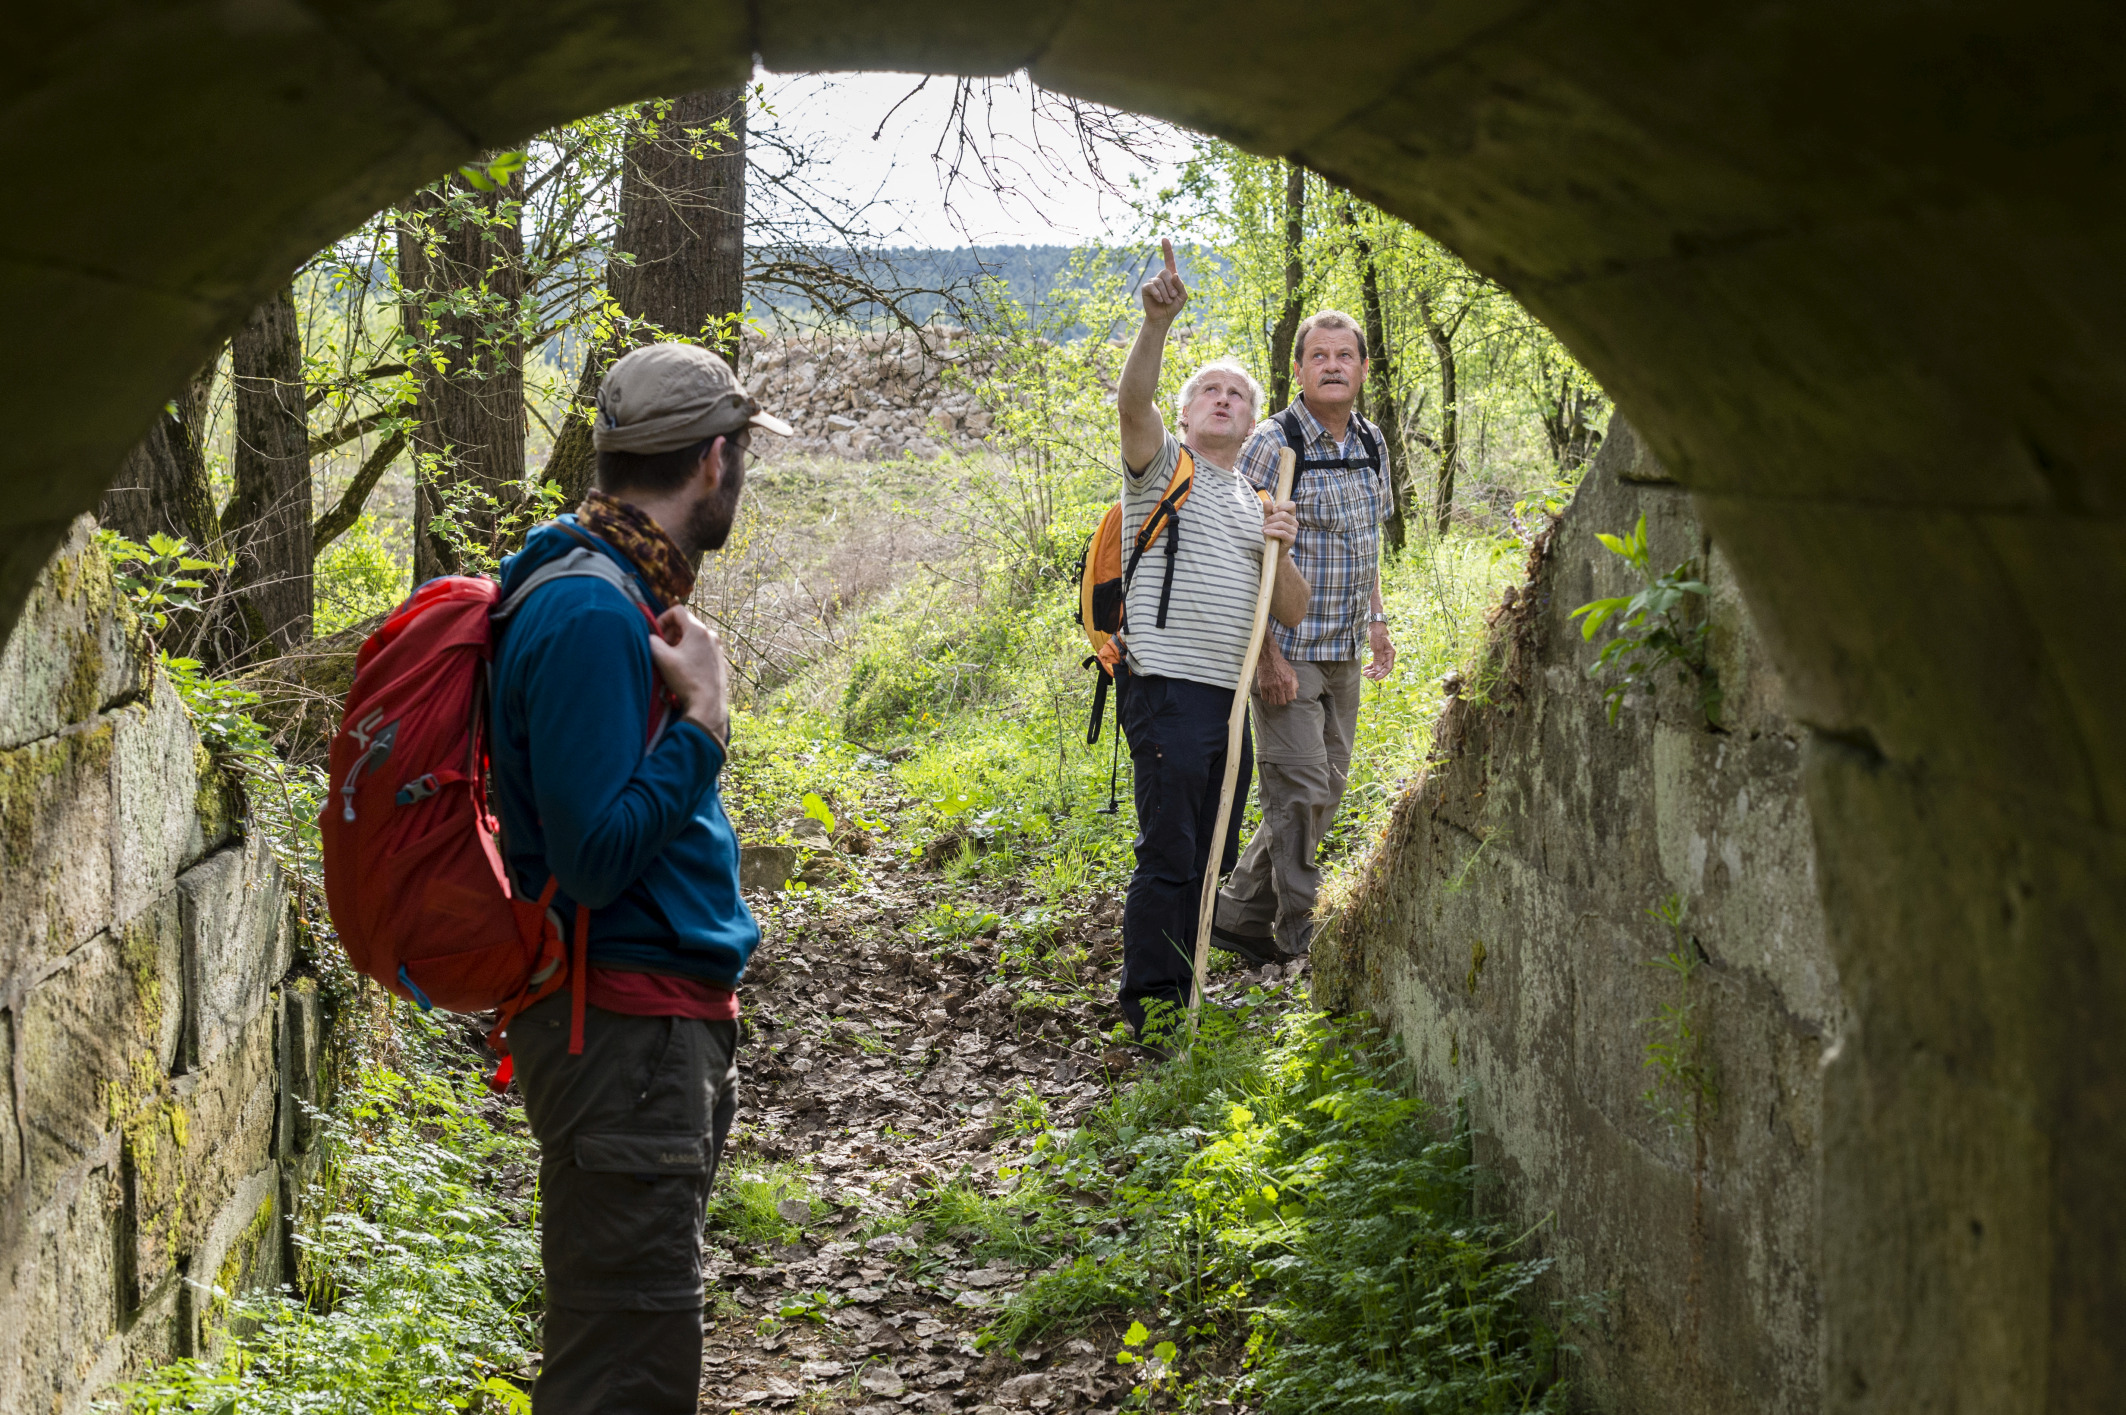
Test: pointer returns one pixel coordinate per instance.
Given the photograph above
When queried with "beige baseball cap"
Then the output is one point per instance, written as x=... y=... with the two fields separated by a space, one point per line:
x=663 y=396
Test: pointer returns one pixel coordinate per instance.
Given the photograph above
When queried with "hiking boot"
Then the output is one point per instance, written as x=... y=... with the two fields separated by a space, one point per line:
x=1257 y=949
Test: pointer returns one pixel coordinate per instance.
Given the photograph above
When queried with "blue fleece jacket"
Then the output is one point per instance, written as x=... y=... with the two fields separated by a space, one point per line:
x=638 y=836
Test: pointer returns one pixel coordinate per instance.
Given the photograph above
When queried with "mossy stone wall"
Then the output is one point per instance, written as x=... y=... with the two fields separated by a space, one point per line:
x=156 y=1047
x=1503 y=929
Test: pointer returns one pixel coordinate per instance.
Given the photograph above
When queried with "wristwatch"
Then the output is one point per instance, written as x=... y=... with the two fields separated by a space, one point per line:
x=1378 y=619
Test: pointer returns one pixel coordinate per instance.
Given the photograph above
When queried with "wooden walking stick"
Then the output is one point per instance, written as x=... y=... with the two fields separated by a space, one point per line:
x=1272 y=550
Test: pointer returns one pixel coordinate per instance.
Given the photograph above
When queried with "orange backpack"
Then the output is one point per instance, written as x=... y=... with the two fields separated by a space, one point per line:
x=1103 y=578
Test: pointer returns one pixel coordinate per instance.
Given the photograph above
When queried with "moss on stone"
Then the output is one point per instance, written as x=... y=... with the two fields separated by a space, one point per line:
x=83 y=693
x=26 y=778
x=236 y=1267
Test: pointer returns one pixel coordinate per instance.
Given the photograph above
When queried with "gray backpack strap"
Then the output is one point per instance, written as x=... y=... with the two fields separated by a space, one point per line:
x=580 y=563
x=583 y=563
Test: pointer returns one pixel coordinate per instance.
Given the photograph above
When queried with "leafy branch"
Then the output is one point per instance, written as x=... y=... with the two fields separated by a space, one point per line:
x=1649 y=631
x=159 y=578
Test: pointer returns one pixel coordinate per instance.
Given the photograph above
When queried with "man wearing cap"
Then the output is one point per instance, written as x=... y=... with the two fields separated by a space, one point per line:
x=608 y=736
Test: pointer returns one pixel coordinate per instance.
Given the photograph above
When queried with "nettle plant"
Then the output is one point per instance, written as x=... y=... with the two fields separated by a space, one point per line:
x=1650 y=631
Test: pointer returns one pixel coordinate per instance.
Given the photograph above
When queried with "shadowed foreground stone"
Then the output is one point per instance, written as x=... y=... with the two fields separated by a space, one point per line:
x=151 y=1141
x=1504 y=929
x=1854 y=270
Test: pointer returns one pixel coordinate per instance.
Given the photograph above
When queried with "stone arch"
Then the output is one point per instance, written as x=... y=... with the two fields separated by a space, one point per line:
x=1851 y=268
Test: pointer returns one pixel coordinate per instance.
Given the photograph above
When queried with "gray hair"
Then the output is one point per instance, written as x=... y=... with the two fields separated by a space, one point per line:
x=1190 y=389
x=1327 y=319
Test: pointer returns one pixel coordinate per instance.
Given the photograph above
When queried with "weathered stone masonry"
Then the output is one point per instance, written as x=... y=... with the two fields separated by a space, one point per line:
x=1502 y=930
x=151 y=1139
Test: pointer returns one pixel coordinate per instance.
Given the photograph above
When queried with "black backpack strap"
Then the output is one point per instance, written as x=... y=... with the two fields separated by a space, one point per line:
x=1167 y=512
x=1295 y=437
x=1092 y=728
x=1166 y=586
x=1371 y=444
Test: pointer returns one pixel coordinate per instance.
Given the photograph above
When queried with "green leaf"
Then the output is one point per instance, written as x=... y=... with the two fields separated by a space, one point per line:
x=1137 y=1334
x=816 y=808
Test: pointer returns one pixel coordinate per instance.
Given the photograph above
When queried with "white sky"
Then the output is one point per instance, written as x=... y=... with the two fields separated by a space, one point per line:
x=1059 y=201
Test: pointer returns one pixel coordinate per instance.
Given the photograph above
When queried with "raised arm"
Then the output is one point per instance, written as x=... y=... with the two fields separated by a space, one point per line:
x=1137 y=399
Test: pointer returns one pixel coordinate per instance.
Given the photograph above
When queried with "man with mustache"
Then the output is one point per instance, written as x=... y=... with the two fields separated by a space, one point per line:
x=607 y=740
x=1307 y=682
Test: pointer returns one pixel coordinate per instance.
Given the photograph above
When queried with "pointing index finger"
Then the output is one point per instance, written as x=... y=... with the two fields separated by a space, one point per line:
x=1166 y=249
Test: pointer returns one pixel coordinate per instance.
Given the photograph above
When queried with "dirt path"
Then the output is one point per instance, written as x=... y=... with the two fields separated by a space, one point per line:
x=886 y=1059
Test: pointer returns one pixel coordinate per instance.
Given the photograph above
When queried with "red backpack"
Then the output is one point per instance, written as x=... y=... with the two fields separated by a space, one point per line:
x=414 y=872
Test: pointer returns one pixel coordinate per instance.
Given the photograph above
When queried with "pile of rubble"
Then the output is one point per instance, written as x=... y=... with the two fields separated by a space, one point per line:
x=872 y=396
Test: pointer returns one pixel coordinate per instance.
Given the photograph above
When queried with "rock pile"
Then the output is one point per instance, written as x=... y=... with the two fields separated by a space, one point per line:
x=871 y=396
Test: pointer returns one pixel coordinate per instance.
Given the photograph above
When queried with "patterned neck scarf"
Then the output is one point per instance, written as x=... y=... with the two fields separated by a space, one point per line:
x=641 y=540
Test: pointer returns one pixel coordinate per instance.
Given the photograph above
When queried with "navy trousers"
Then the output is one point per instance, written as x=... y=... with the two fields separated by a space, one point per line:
x=1176 y=732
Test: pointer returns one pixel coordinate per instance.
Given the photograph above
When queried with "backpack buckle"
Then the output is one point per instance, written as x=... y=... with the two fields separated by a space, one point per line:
x=418 y=789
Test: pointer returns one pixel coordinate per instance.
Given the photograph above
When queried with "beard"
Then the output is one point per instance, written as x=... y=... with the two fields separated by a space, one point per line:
x=708 y=525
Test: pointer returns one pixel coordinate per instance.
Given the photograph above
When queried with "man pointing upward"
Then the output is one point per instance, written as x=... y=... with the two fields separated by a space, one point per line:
x=1184 y=642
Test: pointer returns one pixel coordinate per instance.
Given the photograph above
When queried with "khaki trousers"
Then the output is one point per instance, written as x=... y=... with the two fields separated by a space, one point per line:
x=1303 y=751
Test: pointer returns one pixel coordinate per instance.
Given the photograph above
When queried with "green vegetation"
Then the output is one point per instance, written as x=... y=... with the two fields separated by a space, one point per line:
x=1275 y=1193
x=1685 y=1092
x=1650 y=632
x=418 y=1284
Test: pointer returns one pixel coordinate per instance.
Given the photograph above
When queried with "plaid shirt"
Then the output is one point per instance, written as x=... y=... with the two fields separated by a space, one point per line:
x=1338 y=551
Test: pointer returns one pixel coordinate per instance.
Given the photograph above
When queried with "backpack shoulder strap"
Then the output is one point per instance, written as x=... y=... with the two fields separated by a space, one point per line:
x=584 y=562
x=1178 y=487
x=1295 y=437
x=1370 y=442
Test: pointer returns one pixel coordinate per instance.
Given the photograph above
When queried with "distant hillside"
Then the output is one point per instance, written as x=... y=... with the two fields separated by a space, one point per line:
x=1029 y=276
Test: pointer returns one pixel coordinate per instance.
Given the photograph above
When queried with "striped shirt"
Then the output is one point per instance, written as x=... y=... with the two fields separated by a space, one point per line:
x=1338 y=551
x=1217 y=573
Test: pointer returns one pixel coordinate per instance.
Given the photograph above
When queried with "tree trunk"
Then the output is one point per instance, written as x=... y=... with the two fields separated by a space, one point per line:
x=1380 y=375
x=163 y=487
x=1295 y=211
x=1450 y=420
x=461 y=266
x=1571 y=419
x=683 y=222
x=266 y=525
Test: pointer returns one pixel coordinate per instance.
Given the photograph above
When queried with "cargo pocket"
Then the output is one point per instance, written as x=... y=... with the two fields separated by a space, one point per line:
x=643 y=1155
x=621 y=1227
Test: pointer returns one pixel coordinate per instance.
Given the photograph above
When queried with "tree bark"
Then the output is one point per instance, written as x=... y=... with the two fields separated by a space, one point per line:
x=1571 y=419
x=461 y=267
x=1381 y=376
x=682 y=226
x=1441 y=337
x=266 y=525
x=163 y=487
x=1295 y=211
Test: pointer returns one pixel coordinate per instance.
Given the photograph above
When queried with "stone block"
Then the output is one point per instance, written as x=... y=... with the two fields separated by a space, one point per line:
x=193 y=1148
x=58 y=1298
x=55 y=846
x=236 y=944
x=765 y=868
x=97 y=1039
x=76 y=650
x=302 y=1060
x=157 y=795
x=240 y=1252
